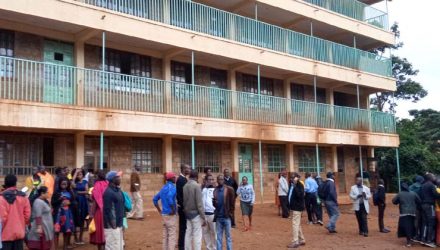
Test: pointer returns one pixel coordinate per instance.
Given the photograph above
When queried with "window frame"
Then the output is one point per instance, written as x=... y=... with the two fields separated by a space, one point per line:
x=309 y=165
x=7 y=49
x=276 y=151
x=147 y=150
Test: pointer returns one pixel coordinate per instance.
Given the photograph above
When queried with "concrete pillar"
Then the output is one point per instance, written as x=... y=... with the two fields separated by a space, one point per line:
x=79 y=62
x=167 y=153
x=334 y=158
x=287 y=95
x=370 y=155
x=166 y=75
x=232 y=85
x=79 y=150
x=330 y=99
x=234 y=153
x=290 y=158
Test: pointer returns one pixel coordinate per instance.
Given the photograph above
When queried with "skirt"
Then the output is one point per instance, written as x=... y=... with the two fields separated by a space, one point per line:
x=98 y=238
x=246 y=208
x=406 y=226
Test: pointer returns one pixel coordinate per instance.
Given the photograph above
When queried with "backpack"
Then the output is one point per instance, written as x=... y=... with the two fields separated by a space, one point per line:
x=127 y=202
x=322 y=190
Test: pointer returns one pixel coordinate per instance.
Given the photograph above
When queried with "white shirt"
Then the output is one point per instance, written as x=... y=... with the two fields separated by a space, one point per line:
x=208 y=195
x=283 y=186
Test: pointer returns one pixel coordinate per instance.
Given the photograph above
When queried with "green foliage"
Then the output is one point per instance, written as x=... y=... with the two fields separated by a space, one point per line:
x=419 y=150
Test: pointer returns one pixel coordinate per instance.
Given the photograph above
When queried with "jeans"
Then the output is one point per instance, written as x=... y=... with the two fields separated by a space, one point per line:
x=311 y=206
x=361 y=216
x=428 y=221
x=333 y=213
x=381 y=208
x=223 y=224
x=193 y=235
x=169 y=232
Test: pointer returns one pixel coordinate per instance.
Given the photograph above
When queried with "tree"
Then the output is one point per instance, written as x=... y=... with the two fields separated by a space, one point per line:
x=402 y=71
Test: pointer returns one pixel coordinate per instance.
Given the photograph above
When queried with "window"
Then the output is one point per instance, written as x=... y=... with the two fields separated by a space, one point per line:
x=181 y=72
x=218 y=78
x=276 y=158
x=147 y=153
x=140 y=66
x=250 y=84
x=6 y=50
x=297 y=91
x=307 y=159
x=207 y=154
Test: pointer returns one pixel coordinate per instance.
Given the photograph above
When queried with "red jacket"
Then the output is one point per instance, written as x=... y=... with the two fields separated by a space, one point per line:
x=15 y=214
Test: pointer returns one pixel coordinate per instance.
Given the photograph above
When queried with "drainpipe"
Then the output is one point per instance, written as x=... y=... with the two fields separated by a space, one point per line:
x=193 y=153
x=360 y=147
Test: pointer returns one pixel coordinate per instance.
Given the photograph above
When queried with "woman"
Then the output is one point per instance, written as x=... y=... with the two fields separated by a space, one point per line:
x=97 y=238
x=64 y=207
x=277 y=199
x=247 y=199
x=408 y=202
x=80 y=187
x=41 y=233
x=33 y=183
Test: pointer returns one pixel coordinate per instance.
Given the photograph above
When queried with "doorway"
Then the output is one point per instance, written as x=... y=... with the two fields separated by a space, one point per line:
x=245 y=163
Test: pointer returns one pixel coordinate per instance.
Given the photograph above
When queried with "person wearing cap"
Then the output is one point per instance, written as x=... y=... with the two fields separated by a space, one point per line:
x=135 y=186
x=47 y=180
x=167 y=196
x=114 y=212
x=331 y=202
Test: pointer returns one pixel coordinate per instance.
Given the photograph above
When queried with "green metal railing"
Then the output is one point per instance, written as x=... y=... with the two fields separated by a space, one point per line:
x=52 y=83
x=204 y=19
x=356 y=10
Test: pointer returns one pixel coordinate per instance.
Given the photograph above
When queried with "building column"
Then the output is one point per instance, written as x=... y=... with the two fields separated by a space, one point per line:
x=290 y=158
x=167 y=153
x=80 y=63
x=166 y=75
x=287 y=95
x=334 y=158
x=232 y=85
x=330 y=99
x=79 y=150
x=234 y=153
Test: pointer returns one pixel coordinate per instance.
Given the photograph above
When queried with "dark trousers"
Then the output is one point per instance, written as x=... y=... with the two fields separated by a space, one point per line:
x=361 y=216
x=418 y=224
x=381 y=208
x=428 y=223
x=284 y=206
x=319 y=211
x=311 y=206
x=182 y=229
x=233 y=215
x=13 y=245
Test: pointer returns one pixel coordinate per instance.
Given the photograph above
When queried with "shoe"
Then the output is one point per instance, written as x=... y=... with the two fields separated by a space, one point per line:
x=293 y=245
x=302 y=243
x=429 y=244
x=332 y=231
x=320 y=222
x=309 y=222
x=416 y=240
x=385 y=231
x=365 y=234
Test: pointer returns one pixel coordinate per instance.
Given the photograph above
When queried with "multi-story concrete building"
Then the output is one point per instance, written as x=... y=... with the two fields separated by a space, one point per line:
x=250 y=85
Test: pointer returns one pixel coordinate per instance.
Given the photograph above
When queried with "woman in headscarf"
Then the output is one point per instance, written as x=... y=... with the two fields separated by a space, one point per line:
x=96 y=212
x=408 y=202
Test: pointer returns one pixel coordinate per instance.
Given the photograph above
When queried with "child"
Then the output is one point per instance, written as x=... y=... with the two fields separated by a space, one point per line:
x=63 y=203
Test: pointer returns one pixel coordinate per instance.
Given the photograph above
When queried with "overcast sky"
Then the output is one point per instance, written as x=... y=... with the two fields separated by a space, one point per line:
x=419 y=31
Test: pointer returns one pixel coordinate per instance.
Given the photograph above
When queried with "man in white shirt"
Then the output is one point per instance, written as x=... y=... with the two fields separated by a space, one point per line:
x=360 y=194
x=283 y=189
x=209 y=234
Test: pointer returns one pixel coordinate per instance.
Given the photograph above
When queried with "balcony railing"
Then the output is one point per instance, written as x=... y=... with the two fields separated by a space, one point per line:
x=51 y=83
x=356 y=10
x=204 y=19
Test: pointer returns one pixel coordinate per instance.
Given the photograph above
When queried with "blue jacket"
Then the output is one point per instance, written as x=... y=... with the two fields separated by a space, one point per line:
x=330 y=191
x=167 y=195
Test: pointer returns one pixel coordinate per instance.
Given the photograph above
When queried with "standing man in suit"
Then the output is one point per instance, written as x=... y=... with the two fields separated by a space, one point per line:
x=180 y=183
x=230 y=181
x=360 y=194
x=381 y=201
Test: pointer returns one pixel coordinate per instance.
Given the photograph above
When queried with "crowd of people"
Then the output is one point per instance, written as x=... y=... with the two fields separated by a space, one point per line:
x=69 y=204
x=75 y=202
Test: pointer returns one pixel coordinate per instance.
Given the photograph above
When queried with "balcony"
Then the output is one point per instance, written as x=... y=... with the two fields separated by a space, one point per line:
x=201 y=18
x=34 y=81
x=356 y=10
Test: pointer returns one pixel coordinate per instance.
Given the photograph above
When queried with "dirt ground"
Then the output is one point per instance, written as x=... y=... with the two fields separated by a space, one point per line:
x=272 y=232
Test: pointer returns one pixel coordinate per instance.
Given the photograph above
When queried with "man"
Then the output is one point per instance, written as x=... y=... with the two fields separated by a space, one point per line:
x=135 y=186
x=311 y=187
x=331 y=202
x=283 y=188
x=167 y=196
x=296 y=204
x=194 y=212
x=47 y=180
x=416 y=187
x=381 y=204
x=224 y=199
x=209 y=230
x=428 y=196
x=230 y=181
x=181 y=181
x=114 y=211
x=360 y=194
x=15 y=213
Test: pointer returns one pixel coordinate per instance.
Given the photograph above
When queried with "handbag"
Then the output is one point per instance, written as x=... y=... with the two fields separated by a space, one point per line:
x=92 y=226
